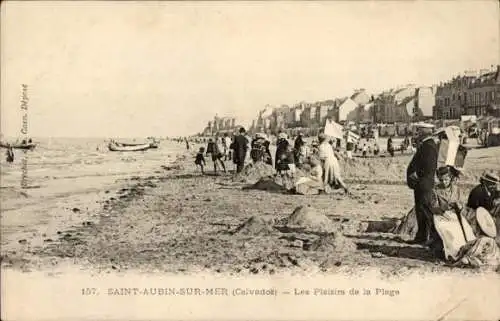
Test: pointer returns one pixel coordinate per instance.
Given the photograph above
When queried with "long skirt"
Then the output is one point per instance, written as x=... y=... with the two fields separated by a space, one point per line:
x=331 y=172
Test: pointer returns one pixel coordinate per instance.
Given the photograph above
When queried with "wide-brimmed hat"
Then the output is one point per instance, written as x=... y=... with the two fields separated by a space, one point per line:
x=486 y=222
x=440 y=132
x=261 y=135
x=322 y=137
x=283 y=136
x=424 y=125
x=490 y=177
x=455 y=171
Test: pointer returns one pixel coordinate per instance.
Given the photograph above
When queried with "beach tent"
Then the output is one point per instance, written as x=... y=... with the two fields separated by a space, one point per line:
x=468 y=118
x=450 y=151
x=352 y=137
x=333 y=129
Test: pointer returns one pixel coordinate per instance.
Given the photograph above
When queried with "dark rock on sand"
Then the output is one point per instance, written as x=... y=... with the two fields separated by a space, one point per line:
x=254 y=226
x=307 y=217
x=332 y=242
x=266 y=184
x=253 y=172
x=173 y=167
x=407 y=229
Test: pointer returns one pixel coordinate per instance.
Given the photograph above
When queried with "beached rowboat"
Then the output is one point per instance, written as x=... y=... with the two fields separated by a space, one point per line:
x=27 y=146
x=129 y=144
x=120 y=148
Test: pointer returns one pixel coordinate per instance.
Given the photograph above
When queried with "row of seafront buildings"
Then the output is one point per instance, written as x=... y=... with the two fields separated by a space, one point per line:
x=469 y=94
x=473 y=93
x=220 y=125
x=400 y=105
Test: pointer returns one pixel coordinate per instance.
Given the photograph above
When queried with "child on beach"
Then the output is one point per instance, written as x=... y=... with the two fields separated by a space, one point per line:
x=365 y=150
x=200 y=159
x=217 y=156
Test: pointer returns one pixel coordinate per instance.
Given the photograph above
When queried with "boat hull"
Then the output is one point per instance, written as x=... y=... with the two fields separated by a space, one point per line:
x=29 y=146
x=135 y=148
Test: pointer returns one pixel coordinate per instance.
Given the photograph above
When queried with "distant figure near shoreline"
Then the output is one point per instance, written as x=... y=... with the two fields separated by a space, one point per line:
x=10 y=155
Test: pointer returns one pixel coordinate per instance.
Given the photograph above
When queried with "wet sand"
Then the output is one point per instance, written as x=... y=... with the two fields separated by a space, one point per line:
x=177 y=220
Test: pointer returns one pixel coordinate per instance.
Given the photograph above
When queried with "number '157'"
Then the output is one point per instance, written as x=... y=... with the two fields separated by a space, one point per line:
x=89 y=291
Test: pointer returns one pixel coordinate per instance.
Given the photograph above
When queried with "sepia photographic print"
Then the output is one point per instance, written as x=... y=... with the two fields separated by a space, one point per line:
x=205 y=160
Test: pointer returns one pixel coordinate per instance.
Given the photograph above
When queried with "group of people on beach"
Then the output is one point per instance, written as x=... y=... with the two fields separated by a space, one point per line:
x=9 y=153
x=234 y=148
x=441 y=219
x=319 y=160
x=438 y=213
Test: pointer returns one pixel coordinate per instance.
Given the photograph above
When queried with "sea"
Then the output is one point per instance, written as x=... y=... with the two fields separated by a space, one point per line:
x=64 y=167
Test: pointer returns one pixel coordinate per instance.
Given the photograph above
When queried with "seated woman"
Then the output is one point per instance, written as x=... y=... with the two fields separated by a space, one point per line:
x=447 y=196
x=313 y=183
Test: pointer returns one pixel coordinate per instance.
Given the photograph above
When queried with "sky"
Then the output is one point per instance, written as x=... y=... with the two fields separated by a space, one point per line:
x=130 y=69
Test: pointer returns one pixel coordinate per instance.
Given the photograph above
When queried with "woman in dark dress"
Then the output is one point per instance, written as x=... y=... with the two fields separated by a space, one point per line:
x=282 y=147
x=390 y=147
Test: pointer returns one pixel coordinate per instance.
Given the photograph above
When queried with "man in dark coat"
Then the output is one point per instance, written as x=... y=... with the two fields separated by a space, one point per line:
x=240 y=147
x=420 y=176
x=486 y=194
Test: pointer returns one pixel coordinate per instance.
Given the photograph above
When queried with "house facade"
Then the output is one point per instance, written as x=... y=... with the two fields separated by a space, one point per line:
x=484 y=94
x=470 y=94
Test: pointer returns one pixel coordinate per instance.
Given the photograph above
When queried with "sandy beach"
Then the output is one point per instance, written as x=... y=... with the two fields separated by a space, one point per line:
x=173 y=219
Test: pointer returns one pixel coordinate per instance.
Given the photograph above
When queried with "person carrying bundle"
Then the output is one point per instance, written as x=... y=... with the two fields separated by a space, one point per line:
x=260 y=149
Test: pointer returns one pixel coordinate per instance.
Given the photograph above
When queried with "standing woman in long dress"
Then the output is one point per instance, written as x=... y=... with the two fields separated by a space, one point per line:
x=331 y=166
